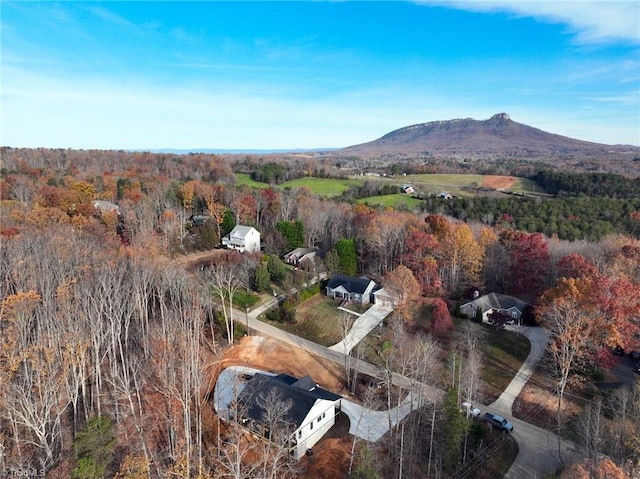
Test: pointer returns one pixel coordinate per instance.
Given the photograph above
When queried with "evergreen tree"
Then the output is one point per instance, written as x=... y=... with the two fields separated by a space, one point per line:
x=228 y=222
x=293 y=233
x=276 y=268
x=347 y=256
x=262 y=280
x=455 y=428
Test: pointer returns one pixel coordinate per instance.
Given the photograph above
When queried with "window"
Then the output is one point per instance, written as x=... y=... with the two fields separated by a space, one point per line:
x=311 y=426
x=319 y=419
x=299 y=433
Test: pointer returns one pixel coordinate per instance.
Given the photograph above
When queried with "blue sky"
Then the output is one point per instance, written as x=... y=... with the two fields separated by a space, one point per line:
x=277 y=75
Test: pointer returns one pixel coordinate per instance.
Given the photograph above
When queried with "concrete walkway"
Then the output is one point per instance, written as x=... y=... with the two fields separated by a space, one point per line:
x=361 y=327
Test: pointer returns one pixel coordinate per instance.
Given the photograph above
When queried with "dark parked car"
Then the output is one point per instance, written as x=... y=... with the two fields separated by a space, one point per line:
x=498 y=422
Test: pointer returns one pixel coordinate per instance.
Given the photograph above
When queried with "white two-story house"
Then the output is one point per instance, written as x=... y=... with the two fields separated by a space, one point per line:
x=243 y=238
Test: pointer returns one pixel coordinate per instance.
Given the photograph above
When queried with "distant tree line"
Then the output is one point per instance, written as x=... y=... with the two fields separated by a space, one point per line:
x=569 y=218
x=606 y=185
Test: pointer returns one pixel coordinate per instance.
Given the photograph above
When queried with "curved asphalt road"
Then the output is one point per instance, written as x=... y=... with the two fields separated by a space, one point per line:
x=538 y=448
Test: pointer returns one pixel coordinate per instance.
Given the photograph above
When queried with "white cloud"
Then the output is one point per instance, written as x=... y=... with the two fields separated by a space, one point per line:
x=630 y=98
x=592 y=21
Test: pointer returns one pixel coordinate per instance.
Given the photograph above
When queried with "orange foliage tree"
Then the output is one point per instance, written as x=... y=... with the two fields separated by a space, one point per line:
x=402 y=285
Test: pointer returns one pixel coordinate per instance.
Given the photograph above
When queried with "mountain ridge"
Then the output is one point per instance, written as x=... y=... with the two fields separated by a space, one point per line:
x=496 y=137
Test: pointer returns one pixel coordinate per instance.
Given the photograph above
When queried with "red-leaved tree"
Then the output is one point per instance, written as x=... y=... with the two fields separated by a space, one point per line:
x=441 y=322
x=530 y=265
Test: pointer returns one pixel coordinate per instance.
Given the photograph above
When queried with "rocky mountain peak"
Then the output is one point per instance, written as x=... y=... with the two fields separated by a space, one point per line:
x=501 y=116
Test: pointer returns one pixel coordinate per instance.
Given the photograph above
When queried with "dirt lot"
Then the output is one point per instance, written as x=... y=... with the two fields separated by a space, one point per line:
x=331 y=455
x=498 y=182
x=194 y=261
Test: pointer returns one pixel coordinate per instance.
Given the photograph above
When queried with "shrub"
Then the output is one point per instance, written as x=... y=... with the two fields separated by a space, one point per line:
x=94 y=447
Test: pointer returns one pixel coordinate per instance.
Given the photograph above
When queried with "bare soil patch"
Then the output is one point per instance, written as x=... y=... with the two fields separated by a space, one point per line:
x=194 y=261
x=498 y=182
x=275 y=356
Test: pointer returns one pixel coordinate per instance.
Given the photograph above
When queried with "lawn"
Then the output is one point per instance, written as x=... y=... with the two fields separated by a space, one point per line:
x=504 y=353
x=243 y=179
x=397 y=201
x=525 y=185
x=495 y=459
x=316 y=320
x=322 y=186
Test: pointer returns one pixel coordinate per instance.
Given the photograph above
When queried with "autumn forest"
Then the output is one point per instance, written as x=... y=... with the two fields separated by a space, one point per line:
x=109 y=346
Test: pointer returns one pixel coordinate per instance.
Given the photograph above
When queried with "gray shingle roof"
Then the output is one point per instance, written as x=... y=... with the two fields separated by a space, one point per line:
x=241 y=230
x=351 y=284
x=498 y=301
x=303 y=394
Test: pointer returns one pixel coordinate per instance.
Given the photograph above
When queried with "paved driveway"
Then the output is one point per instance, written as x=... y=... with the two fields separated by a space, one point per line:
x=538 y=338
x=372 y=425
x=361 y=327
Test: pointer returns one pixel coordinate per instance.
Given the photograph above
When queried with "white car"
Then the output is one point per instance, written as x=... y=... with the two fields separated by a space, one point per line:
x=469 y=409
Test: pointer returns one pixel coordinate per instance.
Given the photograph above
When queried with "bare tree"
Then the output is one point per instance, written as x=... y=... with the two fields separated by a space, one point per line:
x=277 y=460
x=224 y=280
x=571 y=329
x=345 y=323
x=472 y=361
x=590 y=428
x=34 y=402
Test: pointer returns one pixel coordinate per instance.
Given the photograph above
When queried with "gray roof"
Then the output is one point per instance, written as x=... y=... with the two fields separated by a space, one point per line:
x=241 y=230
x=497 y=301
x=351 y=284
x=302 y=393
x=300 y=252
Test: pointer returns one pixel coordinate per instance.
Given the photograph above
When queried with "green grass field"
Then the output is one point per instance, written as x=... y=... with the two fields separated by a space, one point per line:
x=322 y=186
x=316 y=320
x=525 y=185
x=398 y=201
x=243 y=179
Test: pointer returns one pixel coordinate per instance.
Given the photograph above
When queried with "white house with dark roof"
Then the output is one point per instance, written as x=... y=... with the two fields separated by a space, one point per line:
x=309 y=411
x=243 y=238
x=492 y=302
x=358 y=290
